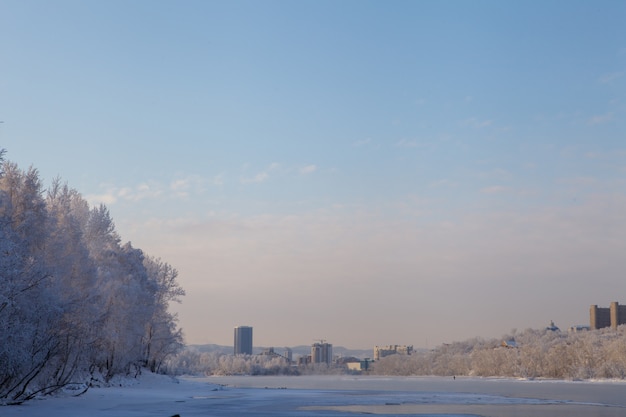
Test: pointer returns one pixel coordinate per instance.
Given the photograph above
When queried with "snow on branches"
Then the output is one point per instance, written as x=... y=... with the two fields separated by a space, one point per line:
x=74 y=301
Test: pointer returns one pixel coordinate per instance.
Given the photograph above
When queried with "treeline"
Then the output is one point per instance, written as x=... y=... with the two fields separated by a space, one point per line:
x=192 y=362
x=531 y=354
x=75 y=303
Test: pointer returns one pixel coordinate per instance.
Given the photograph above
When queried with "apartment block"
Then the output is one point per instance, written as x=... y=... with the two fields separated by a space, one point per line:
x=612 y=316
x=382 y=351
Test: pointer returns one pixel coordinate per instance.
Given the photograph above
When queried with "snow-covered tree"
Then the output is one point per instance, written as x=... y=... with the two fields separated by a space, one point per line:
x=29 y=308
x=162 y=337
x=536 y=354
x=73 y=299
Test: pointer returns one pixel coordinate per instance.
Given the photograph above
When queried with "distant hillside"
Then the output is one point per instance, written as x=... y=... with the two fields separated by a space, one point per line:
x=300 y=350
x=212 y=348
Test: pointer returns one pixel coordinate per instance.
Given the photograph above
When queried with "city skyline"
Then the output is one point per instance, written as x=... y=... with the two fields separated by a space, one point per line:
x=361 y=172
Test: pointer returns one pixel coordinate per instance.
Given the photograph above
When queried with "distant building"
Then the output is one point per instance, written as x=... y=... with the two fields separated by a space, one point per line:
x=304 y=360
x=382 y=351
x=601 y=317
x=578 y=328
x=322 y=353
x=287 y=355
x=552 y=327
x=243 y=340
x=269 y=352
x=511 y=344
x=358 y=366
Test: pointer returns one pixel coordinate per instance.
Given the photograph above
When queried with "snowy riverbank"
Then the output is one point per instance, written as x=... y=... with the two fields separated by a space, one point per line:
x=147 y=395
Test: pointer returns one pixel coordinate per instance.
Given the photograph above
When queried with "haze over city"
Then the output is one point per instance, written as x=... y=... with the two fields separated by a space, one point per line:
x=367 y=173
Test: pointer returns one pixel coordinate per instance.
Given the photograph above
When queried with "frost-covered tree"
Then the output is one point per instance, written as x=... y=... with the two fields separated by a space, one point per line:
x=74 y=301
x=191 y=362
x=29 y=307
x=162 y=338
x=126 y=295
x=538 y=354
x=74 y=276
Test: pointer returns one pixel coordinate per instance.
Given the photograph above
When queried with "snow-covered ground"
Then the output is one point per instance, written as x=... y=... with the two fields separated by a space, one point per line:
x=154 y=395
x=148 y=395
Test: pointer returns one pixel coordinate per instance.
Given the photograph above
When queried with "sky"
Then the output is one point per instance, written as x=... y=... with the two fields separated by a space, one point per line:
x=362 y=172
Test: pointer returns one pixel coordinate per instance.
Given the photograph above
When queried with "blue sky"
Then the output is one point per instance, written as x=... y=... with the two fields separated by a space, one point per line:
x=365 y=172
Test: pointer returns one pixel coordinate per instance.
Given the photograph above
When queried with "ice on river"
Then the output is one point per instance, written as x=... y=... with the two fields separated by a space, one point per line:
x=334 y=396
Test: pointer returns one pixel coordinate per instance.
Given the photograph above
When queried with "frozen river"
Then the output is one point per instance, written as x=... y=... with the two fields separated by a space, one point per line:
x=336 y=396
x=428 y=396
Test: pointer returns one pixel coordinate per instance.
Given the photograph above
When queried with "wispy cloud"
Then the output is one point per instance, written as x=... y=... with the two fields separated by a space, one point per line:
x=112 y=194
x=218 y=180
x=107 y=198
x=614 y=154
x=444 y=183
x=476 y=123
x=610 y=77
x=309 y=169
x=600 y=119
x=181 y=187
x=406 y=143
x=261 y=176
x=149 y=190
x=494 y=189
x=142 y=191
x=579 y=181
x=496 y=174
x=361 y=142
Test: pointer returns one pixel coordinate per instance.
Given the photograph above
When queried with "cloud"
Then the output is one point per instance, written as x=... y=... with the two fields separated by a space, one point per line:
x=618 y=154
x=218 y=180
x=114 y=194
x=579 y=181
x=600 y=119
x=494 y=189
x=362 y=142
x=476 y=123
x=609 y=78
x=261 y=176
x=443 y=183
x=405 y=143
x=496 y=173
x=149 y=190
x=107 y=198
x=180 y=184
x=180 y=187
x=309 y=169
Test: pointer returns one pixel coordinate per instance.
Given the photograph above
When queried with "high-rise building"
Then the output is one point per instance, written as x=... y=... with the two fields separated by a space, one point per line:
x=322 y=353
x=288 y=354
x=243 y=340
x=611 y=316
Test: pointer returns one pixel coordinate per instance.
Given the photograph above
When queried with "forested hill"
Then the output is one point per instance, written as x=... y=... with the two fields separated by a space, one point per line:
x=76 y=304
